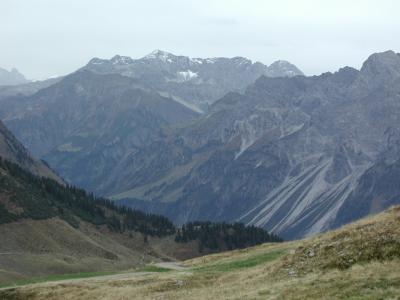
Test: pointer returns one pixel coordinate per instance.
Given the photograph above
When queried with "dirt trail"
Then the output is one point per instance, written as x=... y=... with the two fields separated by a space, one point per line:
x=173 y=265
x=176 y=266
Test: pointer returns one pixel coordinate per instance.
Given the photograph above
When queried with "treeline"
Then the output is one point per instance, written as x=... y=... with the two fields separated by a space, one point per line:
x=43 y=198
x=223 y=236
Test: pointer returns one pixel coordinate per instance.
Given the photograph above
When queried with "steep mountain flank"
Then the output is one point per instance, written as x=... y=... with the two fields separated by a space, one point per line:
x=11 y=149
x=87 y=122
x=378 y=188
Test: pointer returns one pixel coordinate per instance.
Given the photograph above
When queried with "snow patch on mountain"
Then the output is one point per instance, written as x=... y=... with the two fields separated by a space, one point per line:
x=187 y=75
x=211 y=60
x=197 y=61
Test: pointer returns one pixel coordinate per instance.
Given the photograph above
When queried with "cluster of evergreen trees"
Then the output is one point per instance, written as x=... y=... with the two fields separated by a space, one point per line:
x=223 y=236
x=43 y=198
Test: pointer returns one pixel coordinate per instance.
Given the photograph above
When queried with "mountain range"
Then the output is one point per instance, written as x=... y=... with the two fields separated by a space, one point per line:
x=91 y=121
x=88 y=121
x=12 y=77
x=194 y=82
x=223 y=139
x=288 y=154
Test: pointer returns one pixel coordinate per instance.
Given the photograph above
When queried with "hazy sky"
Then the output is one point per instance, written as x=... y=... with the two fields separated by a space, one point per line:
x=45 y=38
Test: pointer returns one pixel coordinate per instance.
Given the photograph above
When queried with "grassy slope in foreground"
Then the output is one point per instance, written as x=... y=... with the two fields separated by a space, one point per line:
x=358 y=261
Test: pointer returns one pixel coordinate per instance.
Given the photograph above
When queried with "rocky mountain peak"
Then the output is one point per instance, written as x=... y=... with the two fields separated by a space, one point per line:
x=283 y=68
x=241 y=60
x=386 y=58
x=381 y=67
x=121 y=60
x=15 y=71
x=13 y=77
x=97 y=61
x=160 y=55
x=281 y=63
x=196 y=82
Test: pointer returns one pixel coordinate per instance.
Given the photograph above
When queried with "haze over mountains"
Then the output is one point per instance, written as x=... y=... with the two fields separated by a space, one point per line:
x=12 y=77
x=223 y=139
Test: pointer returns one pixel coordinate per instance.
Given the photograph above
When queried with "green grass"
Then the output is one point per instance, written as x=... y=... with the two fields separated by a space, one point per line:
x=242 y=264
x=20 y=282
x=151 y=268
x=54 y=278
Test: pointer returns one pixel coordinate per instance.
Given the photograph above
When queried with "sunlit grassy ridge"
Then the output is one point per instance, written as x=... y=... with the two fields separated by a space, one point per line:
x=244 y=263
x=359 y=261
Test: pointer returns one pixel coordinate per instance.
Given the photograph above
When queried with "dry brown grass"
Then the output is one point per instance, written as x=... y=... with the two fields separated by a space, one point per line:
x=371 y=281
x=295 y=274
x=371 y=239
